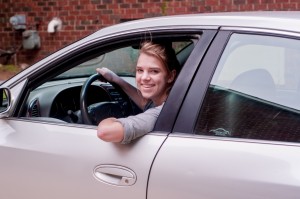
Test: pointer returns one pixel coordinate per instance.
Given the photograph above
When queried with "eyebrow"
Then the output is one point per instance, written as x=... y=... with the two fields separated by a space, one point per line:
x=156 y=68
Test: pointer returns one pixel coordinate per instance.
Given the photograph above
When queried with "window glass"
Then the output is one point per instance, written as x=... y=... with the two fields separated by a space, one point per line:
x=255 y=90
x=122 y=61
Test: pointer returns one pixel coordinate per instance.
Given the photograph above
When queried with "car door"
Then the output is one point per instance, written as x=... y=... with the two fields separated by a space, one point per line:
x=43 y=157
x=48 y=158
x=41 y=160
x=241 y=140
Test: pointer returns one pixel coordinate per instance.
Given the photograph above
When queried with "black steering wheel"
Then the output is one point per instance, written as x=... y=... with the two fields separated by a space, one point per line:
x=94 y=113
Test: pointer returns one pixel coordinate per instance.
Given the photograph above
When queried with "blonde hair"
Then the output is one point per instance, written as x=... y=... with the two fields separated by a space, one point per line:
x=164 y=52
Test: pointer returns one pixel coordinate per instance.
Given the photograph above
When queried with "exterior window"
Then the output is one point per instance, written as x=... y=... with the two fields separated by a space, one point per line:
x=255 y=91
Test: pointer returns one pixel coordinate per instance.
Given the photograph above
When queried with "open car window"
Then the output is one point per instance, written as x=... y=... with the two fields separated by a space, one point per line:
x=122 y=61
x=59 y=98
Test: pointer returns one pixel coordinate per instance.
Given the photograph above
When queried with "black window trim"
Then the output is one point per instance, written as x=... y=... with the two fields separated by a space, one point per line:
x=191 y=106
x=169 y=113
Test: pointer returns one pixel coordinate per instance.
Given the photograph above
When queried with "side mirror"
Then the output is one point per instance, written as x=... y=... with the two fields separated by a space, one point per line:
x=4 y=100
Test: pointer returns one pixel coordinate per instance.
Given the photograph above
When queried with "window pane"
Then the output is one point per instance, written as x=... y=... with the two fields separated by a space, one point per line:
x=255 y=91
x=122 y=61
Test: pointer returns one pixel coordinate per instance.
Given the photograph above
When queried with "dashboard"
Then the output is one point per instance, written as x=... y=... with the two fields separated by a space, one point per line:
x=61 y=100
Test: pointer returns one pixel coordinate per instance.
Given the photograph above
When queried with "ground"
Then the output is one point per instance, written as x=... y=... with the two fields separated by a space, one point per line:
x=7 y=71
x=4 y=75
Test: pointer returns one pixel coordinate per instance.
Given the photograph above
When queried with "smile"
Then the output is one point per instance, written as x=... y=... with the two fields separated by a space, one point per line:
x=147 y=85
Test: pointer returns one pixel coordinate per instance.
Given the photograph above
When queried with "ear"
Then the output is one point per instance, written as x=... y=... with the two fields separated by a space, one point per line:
x=172 y=76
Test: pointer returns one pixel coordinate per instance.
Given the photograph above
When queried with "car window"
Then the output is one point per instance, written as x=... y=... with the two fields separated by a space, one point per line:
x=122 y=61
x=255 y=90
x=59 y=99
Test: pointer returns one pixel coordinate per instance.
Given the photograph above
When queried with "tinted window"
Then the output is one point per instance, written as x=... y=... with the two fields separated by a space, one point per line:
x=255 y=90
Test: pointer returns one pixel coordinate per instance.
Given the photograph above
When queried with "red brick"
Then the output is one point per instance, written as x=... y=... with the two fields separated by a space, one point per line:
x=81 y=17
x=260 y=7
x=211 y=2
x=279 y=1
x=254 y=1
x=289 y=6
x=131 y=11
x=247 y=7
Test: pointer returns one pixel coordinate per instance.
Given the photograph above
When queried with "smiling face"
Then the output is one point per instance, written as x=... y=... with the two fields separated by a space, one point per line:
x=153 y=79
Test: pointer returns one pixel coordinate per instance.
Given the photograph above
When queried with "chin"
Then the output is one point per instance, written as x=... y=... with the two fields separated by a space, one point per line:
x=148 y=97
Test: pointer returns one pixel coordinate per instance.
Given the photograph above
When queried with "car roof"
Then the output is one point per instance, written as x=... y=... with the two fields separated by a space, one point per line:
x=275 y=20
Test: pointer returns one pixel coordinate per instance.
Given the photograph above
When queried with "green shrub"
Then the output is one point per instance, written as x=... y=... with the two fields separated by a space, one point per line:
x=9 y=68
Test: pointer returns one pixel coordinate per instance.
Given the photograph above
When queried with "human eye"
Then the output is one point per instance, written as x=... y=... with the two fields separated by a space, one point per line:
x=139 y=70
x=154 y=71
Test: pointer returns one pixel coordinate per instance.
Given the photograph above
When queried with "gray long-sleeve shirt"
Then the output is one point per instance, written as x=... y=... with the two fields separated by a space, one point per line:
x=138 y=125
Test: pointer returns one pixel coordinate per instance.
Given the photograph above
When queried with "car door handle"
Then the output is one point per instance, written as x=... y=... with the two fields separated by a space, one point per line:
x=115 y=175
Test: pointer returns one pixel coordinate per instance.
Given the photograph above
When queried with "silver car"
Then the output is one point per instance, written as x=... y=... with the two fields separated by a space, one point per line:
x=230 y=127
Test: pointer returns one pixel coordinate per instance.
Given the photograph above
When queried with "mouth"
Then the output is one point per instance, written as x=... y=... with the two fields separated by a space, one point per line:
x=147 y=86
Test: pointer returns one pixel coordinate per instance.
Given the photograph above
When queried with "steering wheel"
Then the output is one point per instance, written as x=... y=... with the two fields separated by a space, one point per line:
x=94 y=113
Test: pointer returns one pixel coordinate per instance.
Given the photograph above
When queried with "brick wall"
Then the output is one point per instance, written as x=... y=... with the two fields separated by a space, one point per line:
x=82 y=17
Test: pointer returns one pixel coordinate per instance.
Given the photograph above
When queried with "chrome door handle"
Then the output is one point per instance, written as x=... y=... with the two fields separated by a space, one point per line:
x=115 y=175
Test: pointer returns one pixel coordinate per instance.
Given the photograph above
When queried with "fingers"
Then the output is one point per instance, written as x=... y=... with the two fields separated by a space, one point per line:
x=107 y=74
x=101 y=70
x=104 y=71
x=102 y=74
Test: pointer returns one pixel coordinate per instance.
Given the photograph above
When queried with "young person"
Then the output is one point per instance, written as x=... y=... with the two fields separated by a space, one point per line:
x=156 y=70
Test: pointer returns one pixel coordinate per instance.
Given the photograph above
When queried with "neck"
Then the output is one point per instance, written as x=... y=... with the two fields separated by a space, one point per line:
x=160 y=101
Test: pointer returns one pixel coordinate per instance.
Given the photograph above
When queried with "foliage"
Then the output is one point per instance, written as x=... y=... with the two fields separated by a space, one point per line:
x=9 y=68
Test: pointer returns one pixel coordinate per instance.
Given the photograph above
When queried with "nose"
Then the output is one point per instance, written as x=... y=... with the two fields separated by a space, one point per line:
x=145 y=76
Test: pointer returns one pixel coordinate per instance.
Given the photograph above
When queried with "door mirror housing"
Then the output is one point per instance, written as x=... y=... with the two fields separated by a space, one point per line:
x=5 y=101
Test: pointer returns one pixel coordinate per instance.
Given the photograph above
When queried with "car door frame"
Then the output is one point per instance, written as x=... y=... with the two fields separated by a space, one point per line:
x=218 y=167
x=169 y=113
x=188 y=113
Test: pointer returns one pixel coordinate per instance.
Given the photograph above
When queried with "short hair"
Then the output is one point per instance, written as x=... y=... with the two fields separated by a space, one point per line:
x=164 y=52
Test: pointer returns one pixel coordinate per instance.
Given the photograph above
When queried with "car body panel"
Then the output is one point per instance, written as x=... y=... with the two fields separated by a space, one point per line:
x=225 y=168
x=265 y=20
x=59 y=162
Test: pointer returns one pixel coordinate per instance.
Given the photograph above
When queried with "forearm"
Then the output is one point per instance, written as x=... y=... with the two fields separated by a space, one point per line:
x=132 y=92
x=138 y=125
x=110 y=130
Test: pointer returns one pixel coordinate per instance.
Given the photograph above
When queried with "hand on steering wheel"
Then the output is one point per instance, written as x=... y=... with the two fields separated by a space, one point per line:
x=107 y=75
x=94 y=113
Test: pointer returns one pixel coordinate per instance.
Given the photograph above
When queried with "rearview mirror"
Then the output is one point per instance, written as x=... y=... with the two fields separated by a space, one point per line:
x=4 y=99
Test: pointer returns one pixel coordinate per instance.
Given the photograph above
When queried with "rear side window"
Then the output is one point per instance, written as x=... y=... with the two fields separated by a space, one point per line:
x=255 y=91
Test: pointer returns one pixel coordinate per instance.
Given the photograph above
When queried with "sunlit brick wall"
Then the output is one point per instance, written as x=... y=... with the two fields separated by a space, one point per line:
x=82 y=17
